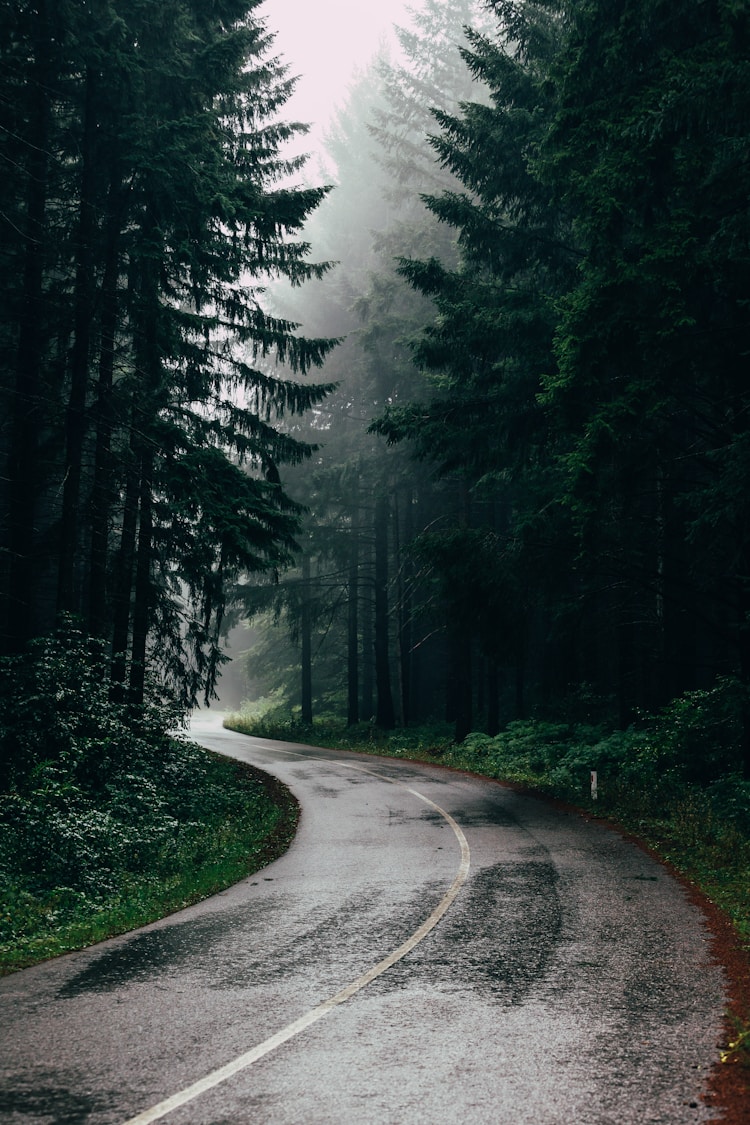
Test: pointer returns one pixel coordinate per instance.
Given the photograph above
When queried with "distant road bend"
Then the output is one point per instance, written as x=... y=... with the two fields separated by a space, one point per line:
x=434 y=948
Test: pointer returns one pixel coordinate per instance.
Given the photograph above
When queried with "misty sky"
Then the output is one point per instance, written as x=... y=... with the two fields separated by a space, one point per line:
x=324 y=41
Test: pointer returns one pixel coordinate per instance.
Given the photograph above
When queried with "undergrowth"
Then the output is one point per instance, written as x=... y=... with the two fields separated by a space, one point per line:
x=108 y=822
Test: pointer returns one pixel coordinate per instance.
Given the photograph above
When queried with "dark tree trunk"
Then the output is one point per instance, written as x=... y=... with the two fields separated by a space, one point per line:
x=145 y=313
x=102 y=495
x=627 y=674
x=352 y=630
x=26 y=412
x=461 y=682
x=461 y=641
x=405 y=630
x=368 y=648
x=75 y=420
x=743 y=640
x=384 y=715
x=123 y=589
x=520 y=685
x=306 y=644
x=143 y=588
x=493 y=709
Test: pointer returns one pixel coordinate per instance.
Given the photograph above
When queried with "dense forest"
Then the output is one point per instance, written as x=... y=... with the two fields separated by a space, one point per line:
x=143 y=207
x=493 y=463
x=531 y=496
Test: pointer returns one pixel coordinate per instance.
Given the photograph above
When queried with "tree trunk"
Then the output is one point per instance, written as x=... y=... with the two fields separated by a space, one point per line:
x=75 y=420
x=627 y=677
x=368 y=647
x=102 y=494
x=404 y=602
x=352 y=638
x=461 y=684
x=306 y=644
x=743 y=640
x=145 y=313
x=123 y=589
x=520 y=683
x=143 y=589
x=384 y=715
x=26 y=414
x=493 y=709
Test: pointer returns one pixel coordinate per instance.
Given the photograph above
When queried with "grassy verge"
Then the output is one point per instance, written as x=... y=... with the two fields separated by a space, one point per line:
x=77 y=867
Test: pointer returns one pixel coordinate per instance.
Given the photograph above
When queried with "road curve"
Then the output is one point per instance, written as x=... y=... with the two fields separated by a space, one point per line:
x=434 y=948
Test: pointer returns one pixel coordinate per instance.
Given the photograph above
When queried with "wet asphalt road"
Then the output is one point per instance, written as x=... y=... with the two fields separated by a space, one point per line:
x=568 y=982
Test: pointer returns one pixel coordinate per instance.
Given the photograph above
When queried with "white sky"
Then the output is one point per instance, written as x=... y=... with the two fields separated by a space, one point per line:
x=324 y=41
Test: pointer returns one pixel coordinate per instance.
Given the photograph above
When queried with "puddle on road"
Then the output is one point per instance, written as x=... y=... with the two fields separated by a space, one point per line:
x=146 y=955
x=230 y=949
x=497 y=939
x=47 y=1103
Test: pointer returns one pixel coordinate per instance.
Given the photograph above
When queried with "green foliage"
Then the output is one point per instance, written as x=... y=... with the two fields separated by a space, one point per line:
x=692 y=742
x=145 y=411
x=697 y=736
x=331 y=730
x=56 y=713
x=59 y=837
x=587 y=352
x=107 y=820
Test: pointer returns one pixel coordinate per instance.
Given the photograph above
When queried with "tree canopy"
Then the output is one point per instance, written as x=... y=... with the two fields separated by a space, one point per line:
x=146 y=204
x=576 y=411
x=589 y=349
x=531 y=464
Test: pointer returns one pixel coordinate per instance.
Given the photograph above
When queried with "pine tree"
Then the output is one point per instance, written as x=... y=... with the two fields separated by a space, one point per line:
x=368 y=502
x=646 y=148
x=162 y=203
x=488 y=349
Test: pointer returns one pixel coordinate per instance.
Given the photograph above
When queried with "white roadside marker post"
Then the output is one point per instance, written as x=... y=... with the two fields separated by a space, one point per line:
x=593 y=785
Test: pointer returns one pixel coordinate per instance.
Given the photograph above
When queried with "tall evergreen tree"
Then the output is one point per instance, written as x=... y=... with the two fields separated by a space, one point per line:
x=149 y=162
x=367 y=503
x=588 y=346
x=489 y=347
x=645 y=147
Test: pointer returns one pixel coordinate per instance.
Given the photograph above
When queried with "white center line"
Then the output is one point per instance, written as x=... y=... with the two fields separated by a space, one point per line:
x=249 y=1057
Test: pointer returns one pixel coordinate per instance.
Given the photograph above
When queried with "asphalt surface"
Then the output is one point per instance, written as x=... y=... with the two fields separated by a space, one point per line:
x=558 y=976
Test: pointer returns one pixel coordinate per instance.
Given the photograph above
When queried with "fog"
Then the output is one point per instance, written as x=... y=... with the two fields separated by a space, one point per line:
x=324 y=44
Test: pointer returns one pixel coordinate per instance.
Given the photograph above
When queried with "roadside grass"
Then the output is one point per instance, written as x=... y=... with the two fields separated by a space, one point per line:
x=649 y=783
x=77 y=868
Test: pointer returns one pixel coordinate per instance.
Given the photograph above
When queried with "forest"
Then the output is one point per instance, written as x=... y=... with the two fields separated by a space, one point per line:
x=452 y=432
x=530 y=496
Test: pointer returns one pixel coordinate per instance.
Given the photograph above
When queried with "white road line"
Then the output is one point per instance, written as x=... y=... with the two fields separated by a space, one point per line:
x=249 y=1057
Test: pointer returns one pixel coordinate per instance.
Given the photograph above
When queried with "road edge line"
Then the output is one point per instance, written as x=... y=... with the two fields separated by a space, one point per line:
x=243 y=1061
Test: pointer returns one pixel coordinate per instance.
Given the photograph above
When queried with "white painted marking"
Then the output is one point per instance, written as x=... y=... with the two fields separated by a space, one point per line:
x=216 y=1077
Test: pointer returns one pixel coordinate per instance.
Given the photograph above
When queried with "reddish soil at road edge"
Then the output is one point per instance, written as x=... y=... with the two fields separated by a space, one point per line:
x=729 y=1082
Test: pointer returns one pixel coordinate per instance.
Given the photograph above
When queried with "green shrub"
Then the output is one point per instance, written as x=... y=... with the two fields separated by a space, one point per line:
x=55 y=707
x=107 y=820
x=698 y=734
